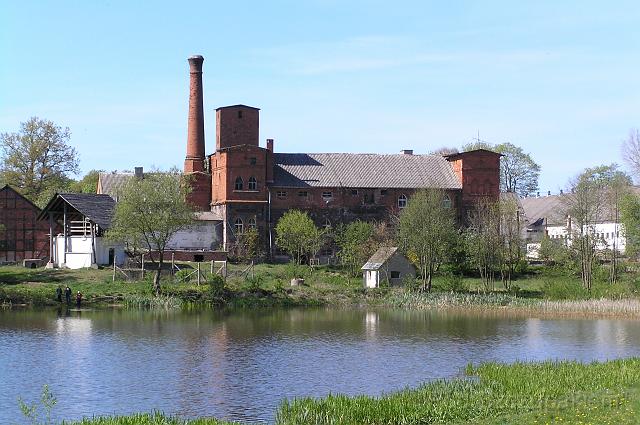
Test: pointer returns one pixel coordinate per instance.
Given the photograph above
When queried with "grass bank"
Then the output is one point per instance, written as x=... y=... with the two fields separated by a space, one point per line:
x=488 y=394
x=521 y=393
x=541 y=290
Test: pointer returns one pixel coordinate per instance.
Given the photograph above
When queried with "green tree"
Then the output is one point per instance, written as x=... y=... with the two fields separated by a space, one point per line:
x=356 y=244
x=427 y=230
x=297 y=235
x=38 y=157
x=149 y=212
x=483 y=240
x=587 y=204
x=630 y=219
x=87 y=184
x=512 y=245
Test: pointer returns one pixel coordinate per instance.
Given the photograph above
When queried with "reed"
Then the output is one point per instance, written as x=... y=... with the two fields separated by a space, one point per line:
x=160 y=302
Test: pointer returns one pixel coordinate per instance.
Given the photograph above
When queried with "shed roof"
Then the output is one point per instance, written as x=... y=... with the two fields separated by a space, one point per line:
x=380 y=257
x=401 y=171
x=111 y=183
x=98 y=208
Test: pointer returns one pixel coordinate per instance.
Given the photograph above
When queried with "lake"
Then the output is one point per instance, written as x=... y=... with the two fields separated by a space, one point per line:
x=240 y=365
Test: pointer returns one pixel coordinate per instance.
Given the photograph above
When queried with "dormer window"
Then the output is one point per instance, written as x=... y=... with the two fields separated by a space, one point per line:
x=253 y=183
x=239 y=183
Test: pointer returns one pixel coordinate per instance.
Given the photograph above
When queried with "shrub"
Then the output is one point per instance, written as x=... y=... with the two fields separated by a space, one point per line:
x=216 y=286
x=183 y=276
x=564 y=290
x=453 y=283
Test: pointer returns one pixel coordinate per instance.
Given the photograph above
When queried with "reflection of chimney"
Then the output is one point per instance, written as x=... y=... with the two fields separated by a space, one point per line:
x=195 y=124
x=270 y=145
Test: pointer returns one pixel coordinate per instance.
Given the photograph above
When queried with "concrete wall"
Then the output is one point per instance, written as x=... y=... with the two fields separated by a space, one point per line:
x=79 y=252
x=608 y=234
x=204 y=235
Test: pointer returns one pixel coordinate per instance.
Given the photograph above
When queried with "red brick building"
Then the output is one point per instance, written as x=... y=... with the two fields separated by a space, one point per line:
x=22 y=236
x=249 y=186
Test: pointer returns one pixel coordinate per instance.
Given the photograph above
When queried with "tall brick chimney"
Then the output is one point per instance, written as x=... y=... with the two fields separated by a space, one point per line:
x=195 y=127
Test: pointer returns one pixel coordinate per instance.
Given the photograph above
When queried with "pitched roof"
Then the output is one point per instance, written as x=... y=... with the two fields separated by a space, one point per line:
x=110 y=183
x=96 y=207
x=379 y=258
x=400 y=171
x=10 y=188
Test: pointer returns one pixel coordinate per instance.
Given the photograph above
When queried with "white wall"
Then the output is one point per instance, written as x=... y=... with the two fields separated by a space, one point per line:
x=204 y=235
x=608 y=234
x=370 y=278
x=79 y=252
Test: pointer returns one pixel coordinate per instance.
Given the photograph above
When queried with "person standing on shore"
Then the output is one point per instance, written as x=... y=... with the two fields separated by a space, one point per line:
x=67 y=294
x=59 y=294
x=78 y=299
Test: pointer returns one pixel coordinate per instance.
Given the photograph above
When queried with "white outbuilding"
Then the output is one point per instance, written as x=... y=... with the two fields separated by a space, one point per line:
x=387 y=265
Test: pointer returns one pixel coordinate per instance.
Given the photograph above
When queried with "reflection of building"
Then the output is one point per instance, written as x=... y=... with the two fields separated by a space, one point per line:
x=250 y=187
x=22 y=236
x=546 y=217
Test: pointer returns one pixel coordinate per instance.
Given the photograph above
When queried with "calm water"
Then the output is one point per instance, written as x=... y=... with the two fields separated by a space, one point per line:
x=240 y=365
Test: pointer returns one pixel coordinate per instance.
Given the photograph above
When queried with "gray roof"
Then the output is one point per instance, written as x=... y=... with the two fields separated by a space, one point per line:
x=379 y=258
x=364 y=171
x=110 y=183
x=97 y=208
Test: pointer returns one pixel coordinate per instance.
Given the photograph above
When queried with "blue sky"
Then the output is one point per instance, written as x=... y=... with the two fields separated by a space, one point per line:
x=559 y=79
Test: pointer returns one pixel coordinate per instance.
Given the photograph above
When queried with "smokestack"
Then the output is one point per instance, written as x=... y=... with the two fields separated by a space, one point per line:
x=195 y=125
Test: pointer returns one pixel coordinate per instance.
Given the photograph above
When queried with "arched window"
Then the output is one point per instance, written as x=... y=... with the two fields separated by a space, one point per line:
x=402 y=201
x=326 y=224
x=253 y=183
x=239 y=183
x=239 y=226
x=252 y=223
x=446 y=201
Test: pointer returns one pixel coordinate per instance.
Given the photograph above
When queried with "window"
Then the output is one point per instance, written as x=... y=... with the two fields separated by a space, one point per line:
x=281 y=194
x=383 y=192
x=198 y=258
x=354 y=192
x=327 y=195
x=303 y=193
x=252 y=223
x=402 y=201
x=395 y=275
x=327 y=224
x=446 y=201
x=369 y=198
x=239 y=183
x=253 y=184
x=239 y=226
x=253 y=160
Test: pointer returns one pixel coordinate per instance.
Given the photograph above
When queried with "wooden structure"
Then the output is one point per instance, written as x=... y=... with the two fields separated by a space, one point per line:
x=387 y=265
x=83 y=217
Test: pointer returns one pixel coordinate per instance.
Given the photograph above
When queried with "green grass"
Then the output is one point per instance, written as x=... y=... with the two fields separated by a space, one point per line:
x=519 y=393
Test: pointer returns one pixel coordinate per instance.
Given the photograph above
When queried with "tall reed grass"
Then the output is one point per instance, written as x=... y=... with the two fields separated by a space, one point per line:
x=146 y=419
x=499 y=390
x=161 y=302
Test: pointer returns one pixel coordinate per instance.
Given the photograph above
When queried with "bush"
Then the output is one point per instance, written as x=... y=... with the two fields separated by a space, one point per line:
x=611 y=291
x=564 y=290
x=452 y=283
x=411 y=283
x=216 y=286
x=183 y=276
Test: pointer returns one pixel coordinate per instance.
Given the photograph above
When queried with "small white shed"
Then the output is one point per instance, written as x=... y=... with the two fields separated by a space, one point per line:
x=387 y=265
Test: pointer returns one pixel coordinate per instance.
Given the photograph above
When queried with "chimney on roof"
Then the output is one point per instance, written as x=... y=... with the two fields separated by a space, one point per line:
x=138 y=172
x=407 y=151
x=270 y=145
x=561 y=192
x=537 y=194
x=194 y=160
x=549 y=193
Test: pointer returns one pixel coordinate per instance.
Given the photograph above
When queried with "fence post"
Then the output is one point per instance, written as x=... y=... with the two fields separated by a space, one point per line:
x=198 y=274
x=113 y=278
x=172 y=263
x=211 y=266
x=142 y=266
x=252 y=269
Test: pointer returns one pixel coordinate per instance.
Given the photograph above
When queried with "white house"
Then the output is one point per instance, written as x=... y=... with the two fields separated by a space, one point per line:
x=546 y=216
x=386 y=265
x=84 y=217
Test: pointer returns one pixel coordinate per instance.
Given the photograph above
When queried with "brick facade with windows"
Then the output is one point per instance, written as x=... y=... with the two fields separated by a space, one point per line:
x=252 y=186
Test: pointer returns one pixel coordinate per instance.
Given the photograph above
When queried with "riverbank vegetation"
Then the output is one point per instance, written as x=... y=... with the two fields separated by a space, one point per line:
x=491 y=393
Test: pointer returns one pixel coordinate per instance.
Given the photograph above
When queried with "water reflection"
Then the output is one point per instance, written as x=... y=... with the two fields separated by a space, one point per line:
x=240 y=365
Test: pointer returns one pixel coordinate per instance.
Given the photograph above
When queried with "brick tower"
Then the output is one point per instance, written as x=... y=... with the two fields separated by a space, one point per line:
x=194 y=163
